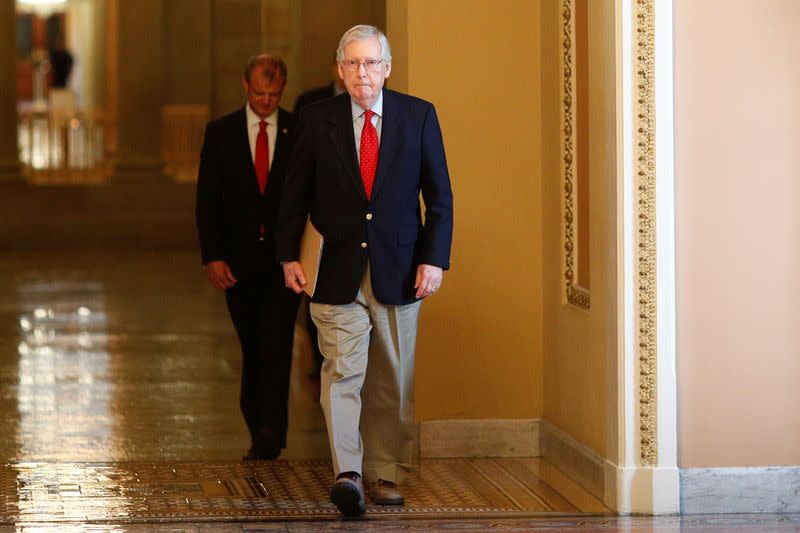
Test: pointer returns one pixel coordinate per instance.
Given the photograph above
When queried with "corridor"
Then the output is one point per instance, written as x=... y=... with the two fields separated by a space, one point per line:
x=119 y=390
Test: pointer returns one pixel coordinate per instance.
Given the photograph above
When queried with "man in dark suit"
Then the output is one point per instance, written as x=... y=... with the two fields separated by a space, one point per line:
x=334 y=88
x=360 y=162
x=243 y=166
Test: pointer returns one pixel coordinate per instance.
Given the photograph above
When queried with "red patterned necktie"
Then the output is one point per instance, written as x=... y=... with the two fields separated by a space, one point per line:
x=262 y=155
x=369 y=153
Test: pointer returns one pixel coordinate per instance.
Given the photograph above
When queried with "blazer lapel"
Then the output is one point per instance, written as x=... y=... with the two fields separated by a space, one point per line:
x=344 y=139
x=390 y=140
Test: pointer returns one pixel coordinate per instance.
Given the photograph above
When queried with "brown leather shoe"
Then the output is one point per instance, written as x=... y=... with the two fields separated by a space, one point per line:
x=347 y=494
x=385 y=492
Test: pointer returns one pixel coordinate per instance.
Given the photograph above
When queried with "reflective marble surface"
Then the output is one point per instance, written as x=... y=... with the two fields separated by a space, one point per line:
x=119 y=378
x=127 y=356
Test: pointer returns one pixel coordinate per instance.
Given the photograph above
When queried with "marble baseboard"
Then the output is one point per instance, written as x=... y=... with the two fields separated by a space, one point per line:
x=740 y=490
x=518 y=438
x=577 y=461
x=479 y=438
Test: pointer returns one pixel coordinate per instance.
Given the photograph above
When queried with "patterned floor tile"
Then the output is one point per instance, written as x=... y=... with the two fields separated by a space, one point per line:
x=253 y=490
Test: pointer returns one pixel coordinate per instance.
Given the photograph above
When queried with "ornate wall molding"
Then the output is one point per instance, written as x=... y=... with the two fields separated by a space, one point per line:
x=574 y=294
x=645 y=230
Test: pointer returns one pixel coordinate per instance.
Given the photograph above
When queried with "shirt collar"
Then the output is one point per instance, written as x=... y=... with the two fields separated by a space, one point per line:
x=377 y=108
x=253 y=119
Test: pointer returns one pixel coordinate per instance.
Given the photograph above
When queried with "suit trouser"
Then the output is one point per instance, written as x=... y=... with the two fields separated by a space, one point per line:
x=316 y=354
x=263 y=312
x=367 y=385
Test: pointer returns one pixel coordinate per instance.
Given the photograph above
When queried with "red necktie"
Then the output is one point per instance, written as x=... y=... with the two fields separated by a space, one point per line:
x=262 y=155
x=369 y=153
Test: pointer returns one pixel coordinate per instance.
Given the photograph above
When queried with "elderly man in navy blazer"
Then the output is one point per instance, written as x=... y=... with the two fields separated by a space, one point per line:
x=360 y=161
x=242 y=169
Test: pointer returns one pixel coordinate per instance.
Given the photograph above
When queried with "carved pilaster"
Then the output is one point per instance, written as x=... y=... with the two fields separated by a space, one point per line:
x=645 y=231
x=574 y=294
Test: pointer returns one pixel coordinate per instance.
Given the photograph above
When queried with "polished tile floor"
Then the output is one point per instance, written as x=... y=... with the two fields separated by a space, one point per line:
x=119 y=403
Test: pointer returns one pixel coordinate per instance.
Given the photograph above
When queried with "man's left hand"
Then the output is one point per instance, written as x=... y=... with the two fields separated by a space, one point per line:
x=429 y=279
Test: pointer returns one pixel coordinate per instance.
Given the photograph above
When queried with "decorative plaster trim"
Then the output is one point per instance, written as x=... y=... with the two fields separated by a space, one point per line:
x=645 y=233
x=479 y=438
x=740 y=490
x=574 y=295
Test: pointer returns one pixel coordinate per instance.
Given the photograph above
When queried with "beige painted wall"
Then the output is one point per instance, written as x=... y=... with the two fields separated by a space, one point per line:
x=580 y=347
x=479 y=350
x=738 y=244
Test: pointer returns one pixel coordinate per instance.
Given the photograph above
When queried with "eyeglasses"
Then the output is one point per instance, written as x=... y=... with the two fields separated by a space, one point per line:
x=354 y=64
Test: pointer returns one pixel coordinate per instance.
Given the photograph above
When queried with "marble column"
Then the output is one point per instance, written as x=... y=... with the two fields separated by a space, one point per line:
x=187 y=51
x=141 y=92
x=10 y=171
x=236 y=30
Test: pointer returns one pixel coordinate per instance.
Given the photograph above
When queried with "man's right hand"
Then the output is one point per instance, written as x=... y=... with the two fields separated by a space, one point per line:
x=294 y=276
x=220 y=275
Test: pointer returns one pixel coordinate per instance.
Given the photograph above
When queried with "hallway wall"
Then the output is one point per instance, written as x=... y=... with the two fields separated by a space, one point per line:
x=738 y=243
x=479 y=350
x=580 y=347
x=323 y=23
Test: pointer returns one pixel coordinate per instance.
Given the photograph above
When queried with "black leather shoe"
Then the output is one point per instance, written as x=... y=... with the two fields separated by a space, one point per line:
x=347 y=494
x=265 y=447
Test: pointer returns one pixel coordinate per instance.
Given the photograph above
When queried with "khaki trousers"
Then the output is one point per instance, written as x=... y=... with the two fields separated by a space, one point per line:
x=367 y=383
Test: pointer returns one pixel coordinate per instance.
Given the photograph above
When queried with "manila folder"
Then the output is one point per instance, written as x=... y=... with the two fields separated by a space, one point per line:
x=310 y=255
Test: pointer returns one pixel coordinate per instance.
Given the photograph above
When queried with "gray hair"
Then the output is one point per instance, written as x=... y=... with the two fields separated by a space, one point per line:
x=272 y=66
x=360 y=32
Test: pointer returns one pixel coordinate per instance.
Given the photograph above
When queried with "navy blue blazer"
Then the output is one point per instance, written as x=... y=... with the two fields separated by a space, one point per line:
x=324 y=182
x=230 y=209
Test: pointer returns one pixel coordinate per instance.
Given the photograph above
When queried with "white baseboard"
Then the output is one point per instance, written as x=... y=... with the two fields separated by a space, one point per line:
x=740 y=490
x=647 y=490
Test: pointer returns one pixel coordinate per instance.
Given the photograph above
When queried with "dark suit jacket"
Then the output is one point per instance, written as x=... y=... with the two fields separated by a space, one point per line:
x=230 y=208
x=313 y=95
x=324 y=181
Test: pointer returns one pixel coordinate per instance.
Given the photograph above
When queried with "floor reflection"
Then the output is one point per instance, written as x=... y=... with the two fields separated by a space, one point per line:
x=61 y=355
x=127 y=356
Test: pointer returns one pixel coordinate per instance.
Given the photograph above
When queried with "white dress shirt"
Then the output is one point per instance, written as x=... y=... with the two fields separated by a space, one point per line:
x=252 y=131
